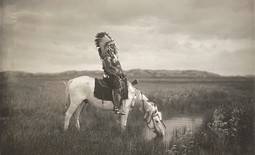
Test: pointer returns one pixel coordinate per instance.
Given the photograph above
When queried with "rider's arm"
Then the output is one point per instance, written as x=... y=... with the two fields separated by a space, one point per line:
x=110 y=68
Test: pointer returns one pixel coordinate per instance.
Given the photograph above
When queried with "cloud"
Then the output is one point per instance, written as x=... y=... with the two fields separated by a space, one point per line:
x=239 y=62
x=59 y=34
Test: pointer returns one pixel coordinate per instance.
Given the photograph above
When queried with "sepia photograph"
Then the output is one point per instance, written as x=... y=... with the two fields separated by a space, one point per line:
x=127 y=77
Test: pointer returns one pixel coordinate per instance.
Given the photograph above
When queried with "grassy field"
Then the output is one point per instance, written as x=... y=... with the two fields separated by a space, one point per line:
x=32 y=116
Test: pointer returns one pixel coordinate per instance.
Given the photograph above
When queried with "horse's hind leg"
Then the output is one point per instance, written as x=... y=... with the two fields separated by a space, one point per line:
x=78 y=112
x=73 y=106
x=68 y=116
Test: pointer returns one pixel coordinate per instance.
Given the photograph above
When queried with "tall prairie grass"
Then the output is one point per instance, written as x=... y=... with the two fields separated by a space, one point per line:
x=32 y=117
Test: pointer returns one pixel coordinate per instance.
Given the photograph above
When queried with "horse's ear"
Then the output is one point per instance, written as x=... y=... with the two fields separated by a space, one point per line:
x=135 y=82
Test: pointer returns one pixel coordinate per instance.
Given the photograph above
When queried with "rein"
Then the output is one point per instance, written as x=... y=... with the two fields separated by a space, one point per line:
x=150 y=119
x=154 y=114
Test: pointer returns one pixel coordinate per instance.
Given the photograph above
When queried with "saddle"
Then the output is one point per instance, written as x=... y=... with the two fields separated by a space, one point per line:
x=103 y=90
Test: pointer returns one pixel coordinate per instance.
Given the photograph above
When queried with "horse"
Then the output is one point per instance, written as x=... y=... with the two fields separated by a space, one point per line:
x=80 y=93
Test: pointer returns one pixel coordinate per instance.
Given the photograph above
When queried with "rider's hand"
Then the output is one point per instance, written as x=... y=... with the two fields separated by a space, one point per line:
x=123 y=75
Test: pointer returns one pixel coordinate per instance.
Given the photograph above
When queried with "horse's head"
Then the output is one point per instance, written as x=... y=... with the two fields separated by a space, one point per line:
x=154 y=121
x=152 y=116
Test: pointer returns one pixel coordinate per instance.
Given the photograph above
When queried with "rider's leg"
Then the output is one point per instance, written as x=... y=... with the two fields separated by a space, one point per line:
x=118 y=102
x=116 y=85
x=116 y=98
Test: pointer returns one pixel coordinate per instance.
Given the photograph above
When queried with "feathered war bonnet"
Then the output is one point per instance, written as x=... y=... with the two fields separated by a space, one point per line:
x=102 y=40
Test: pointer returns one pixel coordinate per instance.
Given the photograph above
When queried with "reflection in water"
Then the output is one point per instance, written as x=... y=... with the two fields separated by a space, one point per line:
x=190 y=123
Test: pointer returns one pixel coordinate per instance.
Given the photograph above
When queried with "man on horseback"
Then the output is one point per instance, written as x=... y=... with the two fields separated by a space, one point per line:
x=112 y=69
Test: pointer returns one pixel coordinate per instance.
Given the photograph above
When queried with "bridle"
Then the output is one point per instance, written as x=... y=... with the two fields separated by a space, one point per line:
x=154 y=114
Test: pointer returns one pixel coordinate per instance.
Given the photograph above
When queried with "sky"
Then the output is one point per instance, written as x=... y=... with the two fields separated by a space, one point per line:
x=58 y=35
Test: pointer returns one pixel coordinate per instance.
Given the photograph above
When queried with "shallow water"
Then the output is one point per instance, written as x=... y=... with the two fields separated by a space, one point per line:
x=191 y=123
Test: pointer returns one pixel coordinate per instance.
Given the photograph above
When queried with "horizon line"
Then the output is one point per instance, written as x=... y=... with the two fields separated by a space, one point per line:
x=96 y=70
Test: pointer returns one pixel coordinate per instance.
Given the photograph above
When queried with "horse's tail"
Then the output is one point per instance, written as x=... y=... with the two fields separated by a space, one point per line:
x=67 y=94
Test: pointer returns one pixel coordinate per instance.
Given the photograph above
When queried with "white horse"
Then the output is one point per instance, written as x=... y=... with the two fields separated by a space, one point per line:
x=80 y=92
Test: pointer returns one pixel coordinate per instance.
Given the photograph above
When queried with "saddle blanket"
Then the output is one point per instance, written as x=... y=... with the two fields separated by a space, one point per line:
x=104 y=92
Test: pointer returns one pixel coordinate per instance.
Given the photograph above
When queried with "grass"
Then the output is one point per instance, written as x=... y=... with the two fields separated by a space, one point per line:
x=32 y=116
x=230 y=134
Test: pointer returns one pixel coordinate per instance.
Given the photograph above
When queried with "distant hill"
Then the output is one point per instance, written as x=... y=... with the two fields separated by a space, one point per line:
x=142 y=74
x=61 y=75
x=139 y=73
x=134 y=73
